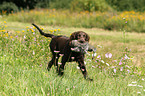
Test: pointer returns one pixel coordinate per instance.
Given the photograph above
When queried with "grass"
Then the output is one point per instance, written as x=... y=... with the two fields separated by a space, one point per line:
x=25 y=54
x=106 y=20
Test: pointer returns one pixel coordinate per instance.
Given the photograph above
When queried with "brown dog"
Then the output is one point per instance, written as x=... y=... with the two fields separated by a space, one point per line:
x=61 y=45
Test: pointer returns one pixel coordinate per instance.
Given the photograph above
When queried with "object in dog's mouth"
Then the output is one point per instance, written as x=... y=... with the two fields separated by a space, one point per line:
x=81 y=47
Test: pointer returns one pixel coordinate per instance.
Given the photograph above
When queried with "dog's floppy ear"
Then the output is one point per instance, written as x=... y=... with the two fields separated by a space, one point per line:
x=87 y=37
x=73 y=36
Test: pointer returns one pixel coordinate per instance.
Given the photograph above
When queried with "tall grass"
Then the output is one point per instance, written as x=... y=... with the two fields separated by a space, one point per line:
x=106 y=20
x=25 y=54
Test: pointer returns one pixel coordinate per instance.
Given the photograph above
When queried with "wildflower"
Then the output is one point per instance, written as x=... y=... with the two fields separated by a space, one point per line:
x=55 y=29
x=139 y=92
x=99 y=56
x=23 y=31
x=140 y=86
x=128 y=71
x=93 y=66
x=102 y=61
x=126 y=57
x=33 y=52
x=99 y=46
x=58 y=29
x=40 y=65
x=134 y=82
x=42 y=28
x=94 y=54
x=16 y=36
x=83 y=69
x=108 y=55
x=56 y=51
x=24 y=36
x=121 y=69
x=78 y=67
x=5 y=22
x=107 y=64
x=142 y=79
x=85 y=63
x=51 y=30
x=61 y=54
x=11 y=36
x=126 y=22
x=120 y=63
x=59 y=63
x=72 y=58
x=114 y=70
x=131 y=85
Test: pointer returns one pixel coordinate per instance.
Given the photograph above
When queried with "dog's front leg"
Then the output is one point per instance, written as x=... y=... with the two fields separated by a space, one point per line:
x=61 y=68
x=83 y=69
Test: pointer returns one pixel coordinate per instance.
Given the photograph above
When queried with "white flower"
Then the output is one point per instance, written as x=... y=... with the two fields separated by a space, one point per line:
x=107 y=64
x=78 y=67
x=114 y=70
x=134 y=82
x=33 y=52
x=132 y=85
x=108 y=55
x=102 y=61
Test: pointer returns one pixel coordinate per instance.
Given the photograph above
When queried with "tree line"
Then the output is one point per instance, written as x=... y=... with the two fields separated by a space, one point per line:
x=73 y=5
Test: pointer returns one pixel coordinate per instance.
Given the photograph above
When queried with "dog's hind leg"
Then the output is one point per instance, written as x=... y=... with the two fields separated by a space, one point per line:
x=51 y=62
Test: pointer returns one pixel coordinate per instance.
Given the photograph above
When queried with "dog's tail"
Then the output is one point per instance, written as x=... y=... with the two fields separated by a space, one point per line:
x=42 y=33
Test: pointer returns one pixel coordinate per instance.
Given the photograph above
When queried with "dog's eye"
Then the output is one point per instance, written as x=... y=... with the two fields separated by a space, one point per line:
x=84 y=35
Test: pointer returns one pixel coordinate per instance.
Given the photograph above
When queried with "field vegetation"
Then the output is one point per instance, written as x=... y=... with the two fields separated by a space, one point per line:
x=118 y=68
x=134 y=21
x=116 y=28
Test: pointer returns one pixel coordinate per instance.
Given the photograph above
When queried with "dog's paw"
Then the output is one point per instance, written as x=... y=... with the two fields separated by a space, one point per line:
x=60 y=72
x=48 y=68
x=89 y=79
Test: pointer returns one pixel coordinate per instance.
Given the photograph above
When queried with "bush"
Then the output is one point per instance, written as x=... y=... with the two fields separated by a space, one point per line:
x=8 y=7
x=60 y=4
x=127 y=5
x=90 y=5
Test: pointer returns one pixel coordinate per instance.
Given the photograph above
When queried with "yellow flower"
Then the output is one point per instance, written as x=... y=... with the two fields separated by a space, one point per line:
x=27 y=27
x=5 y=22
x=42 y=28
x=51 y=30
x=32 y=30
x=23 y=31
x=5 y=26
x=11 y=36
x=58 y=29
x=55 y=29
x=6 y=34
x=18 y=31
x=3 y=30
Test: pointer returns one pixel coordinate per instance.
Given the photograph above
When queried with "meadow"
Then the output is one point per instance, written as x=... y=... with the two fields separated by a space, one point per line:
x=117 y=70
x=135 y=21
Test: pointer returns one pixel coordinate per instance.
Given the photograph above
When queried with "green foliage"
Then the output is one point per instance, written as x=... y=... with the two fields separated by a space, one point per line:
x=90 y=5
x=107 y=20
x=60 y=4
x=127 y=5
x=24 y=55
x=8 y=7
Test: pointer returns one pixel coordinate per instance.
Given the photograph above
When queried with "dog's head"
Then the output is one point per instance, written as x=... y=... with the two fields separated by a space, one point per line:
x=81 y=36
